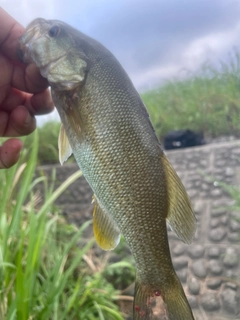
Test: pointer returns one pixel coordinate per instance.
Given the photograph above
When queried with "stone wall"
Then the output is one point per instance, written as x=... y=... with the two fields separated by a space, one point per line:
x=209 y=268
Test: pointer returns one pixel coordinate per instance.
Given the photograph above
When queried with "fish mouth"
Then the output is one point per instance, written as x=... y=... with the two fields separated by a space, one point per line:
x=26 y=52
x=25 y=55
x=45 y=69
x=31 y=34
x=55 y=61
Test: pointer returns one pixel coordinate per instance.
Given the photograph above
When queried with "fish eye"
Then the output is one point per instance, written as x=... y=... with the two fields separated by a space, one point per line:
x=54 y=31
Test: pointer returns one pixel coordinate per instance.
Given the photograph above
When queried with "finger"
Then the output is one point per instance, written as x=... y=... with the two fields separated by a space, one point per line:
x=28 y=78
x=37 y=104
x=6 y=71
x=24 y=78
x=9 y=153
x=14 y=98
x=34 y=81
x=20 y=123
x=4 y=116
x=10 y=32
x=42 y=103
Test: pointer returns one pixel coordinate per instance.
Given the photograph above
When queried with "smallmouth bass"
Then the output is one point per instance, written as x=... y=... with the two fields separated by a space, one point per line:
x=106 y=126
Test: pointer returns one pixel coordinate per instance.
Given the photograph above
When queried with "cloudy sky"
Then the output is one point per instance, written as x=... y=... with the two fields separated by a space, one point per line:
x=155 y=40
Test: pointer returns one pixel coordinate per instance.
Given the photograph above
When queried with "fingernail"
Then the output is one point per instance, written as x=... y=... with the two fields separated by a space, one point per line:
x=28 y=119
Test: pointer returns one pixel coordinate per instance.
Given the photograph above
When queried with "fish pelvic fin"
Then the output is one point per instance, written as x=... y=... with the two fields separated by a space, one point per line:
x=180 y=215
x=156 y=302
x=64 y=147
x=105 y=230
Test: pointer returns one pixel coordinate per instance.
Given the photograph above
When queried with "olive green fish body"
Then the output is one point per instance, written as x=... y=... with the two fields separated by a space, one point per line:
x=109 y=131
x=120 y=156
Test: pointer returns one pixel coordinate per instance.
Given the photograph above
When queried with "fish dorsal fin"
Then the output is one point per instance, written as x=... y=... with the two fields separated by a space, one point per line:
x=105 y=230
x=64 y=147
x=180 y=215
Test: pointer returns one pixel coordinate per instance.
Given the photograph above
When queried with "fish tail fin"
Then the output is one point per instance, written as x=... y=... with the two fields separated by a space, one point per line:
x=176 y=302
x=161 y=303
x=142 y=308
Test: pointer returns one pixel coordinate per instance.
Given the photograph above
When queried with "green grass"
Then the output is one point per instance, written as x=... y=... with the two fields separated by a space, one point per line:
x=44 y=270
x=48 y=143
x=208 y=101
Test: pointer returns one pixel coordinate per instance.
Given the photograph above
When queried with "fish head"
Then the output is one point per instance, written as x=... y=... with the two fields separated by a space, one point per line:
x=53 y=47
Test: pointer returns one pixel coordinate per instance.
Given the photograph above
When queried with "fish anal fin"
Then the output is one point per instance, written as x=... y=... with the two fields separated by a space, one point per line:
x=105 y=230
x=180 y=215
x=64 y=147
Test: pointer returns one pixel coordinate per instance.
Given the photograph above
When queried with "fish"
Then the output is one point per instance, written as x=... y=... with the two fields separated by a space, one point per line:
x=105 y=124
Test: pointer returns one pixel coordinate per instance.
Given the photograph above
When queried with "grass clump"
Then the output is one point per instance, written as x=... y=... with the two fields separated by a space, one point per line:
x=48 y=143
x=208 y=101
x=44 y=271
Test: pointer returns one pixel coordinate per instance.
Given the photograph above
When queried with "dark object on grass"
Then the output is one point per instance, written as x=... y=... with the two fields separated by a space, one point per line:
x=183 y=139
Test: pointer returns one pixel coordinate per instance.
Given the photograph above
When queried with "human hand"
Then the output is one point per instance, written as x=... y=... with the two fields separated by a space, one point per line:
x=23 y=92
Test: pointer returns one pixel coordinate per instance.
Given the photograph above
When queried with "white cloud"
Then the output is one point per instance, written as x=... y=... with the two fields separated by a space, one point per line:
x=71 y=11
x=212 y=48
x=24 y=11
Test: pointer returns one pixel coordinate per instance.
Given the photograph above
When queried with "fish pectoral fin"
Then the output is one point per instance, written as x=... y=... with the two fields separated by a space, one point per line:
x=105 y=230
x=180 y=215
x=64 y=147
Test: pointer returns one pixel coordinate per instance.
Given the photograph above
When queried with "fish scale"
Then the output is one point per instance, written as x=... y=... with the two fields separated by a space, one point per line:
x=107 y=127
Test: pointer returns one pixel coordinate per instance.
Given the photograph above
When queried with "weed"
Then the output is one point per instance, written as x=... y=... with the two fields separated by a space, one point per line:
x=43 y=272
